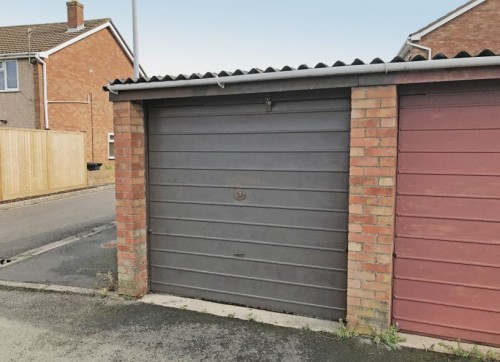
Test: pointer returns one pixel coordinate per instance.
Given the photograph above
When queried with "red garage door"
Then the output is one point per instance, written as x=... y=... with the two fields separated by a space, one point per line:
x=447 y=266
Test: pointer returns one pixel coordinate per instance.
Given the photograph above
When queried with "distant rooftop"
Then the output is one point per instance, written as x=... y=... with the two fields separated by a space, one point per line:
x=14 y=39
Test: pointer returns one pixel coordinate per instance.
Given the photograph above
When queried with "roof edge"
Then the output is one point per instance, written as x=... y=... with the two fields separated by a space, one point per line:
x=15 y=55
x=357 y=70
x=109 y=24
x=417 y=36
x=51 y=23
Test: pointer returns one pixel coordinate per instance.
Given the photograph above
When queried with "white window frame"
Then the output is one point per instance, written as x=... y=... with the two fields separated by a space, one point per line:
x=111 y=140
x=3 y=65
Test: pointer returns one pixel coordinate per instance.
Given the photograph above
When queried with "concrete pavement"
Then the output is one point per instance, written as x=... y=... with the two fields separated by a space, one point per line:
x=29 y=227
x=38 y=326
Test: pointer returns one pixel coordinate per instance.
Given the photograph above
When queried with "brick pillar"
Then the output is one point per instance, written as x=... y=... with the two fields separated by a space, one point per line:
x=130 y=198
x=372 y=207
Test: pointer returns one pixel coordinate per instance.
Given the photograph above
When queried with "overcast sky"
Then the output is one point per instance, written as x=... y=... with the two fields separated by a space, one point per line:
x=186 y=36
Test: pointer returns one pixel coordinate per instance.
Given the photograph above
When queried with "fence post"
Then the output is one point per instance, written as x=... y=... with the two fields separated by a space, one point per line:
x=85 y=158
x=50 y=167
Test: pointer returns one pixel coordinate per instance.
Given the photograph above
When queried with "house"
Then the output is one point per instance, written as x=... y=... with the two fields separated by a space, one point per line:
x=472 y=28
x=51 y=77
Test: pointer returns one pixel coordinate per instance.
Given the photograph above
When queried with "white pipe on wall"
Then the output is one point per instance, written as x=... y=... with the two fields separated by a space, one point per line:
x=45 y=99
x=418 y=46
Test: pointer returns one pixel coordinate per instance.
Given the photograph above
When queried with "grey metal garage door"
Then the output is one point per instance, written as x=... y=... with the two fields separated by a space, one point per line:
x=248 y=203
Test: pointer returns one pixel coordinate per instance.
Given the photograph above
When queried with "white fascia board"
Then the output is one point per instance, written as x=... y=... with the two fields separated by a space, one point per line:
x=49 y=52
x=418 y=36
x=403 y=52
x=109 y=25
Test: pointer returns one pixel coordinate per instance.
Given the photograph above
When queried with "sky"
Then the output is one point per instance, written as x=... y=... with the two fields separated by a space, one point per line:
x=186 y=36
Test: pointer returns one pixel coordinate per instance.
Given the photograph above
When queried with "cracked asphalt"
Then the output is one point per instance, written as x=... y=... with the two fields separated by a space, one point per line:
x=41 y=326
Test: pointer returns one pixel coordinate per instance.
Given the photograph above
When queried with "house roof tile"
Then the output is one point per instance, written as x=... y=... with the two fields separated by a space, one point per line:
x=14 y=39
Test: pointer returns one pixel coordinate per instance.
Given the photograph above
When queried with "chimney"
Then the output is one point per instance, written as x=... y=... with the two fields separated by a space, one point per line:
x=75 y=15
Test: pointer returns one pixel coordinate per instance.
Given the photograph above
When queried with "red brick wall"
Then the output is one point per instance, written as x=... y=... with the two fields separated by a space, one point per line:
x=371 y=204
x=81 y=70
x=75 y=14
x=131 y=220
x=473 y=31
x=371 y=207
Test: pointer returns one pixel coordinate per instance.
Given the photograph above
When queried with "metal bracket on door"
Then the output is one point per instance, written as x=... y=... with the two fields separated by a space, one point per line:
x=269 y=104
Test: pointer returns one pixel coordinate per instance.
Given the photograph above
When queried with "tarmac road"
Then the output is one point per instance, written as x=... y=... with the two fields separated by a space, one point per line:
x=40 y=326
x=29 y=227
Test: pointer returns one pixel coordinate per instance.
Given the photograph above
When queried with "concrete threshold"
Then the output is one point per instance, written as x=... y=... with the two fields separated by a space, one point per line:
x=41 y=199
x=437 y=344
x=243 y=313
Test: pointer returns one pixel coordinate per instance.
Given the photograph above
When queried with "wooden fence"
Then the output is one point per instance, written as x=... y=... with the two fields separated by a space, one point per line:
x=36 y=162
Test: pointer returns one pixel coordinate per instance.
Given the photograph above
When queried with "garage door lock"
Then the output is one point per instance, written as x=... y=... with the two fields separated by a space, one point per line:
x=240 y=195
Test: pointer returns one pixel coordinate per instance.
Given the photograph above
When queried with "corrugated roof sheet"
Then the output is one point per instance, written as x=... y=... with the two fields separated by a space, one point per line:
x=14 y=39
x=224 y=73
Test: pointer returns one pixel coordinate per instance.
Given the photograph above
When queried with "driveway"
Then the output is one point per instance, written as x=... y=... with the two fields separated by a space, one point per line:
x=57 y=327
x=89 y=262
x=29 y=227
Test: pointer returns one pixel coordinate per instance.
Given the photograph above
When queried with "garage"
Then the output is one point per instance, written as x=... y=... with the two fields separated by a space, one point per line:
x=248 y=200
x=367 y=192
x=447 y=264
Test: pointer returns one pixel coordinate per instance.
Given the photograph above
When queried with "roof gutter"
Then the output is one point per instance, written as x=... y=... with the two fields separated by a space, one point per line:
x=14 y=56
x=313 y=73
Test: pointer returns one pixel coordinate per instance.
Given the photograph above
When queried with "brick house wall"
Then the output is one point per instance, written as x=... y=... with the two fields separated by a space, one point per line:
x=76 y=73
x=473 y=31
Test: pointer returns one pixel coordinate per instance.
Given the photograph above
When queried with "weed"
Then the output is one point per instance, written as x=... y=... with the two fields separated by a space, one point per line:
x=344 y=332
x=474 y=354
x=103 y=293
x=251 y=317
x=390 y=337
x=106 y=281
x=128 y=298
x=430 y=348
x=231 y=315
x=184 y=307
x=306 y=328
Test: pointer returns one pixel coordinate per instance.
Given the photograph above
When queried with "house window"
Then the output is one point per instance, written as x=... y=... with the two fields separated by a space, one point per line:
x=111 y=146
x=8 y=76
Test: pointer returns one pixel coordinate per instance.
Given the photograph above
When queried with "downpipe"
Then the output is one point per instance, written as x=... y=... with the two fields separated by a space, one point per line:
x=45 y=97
